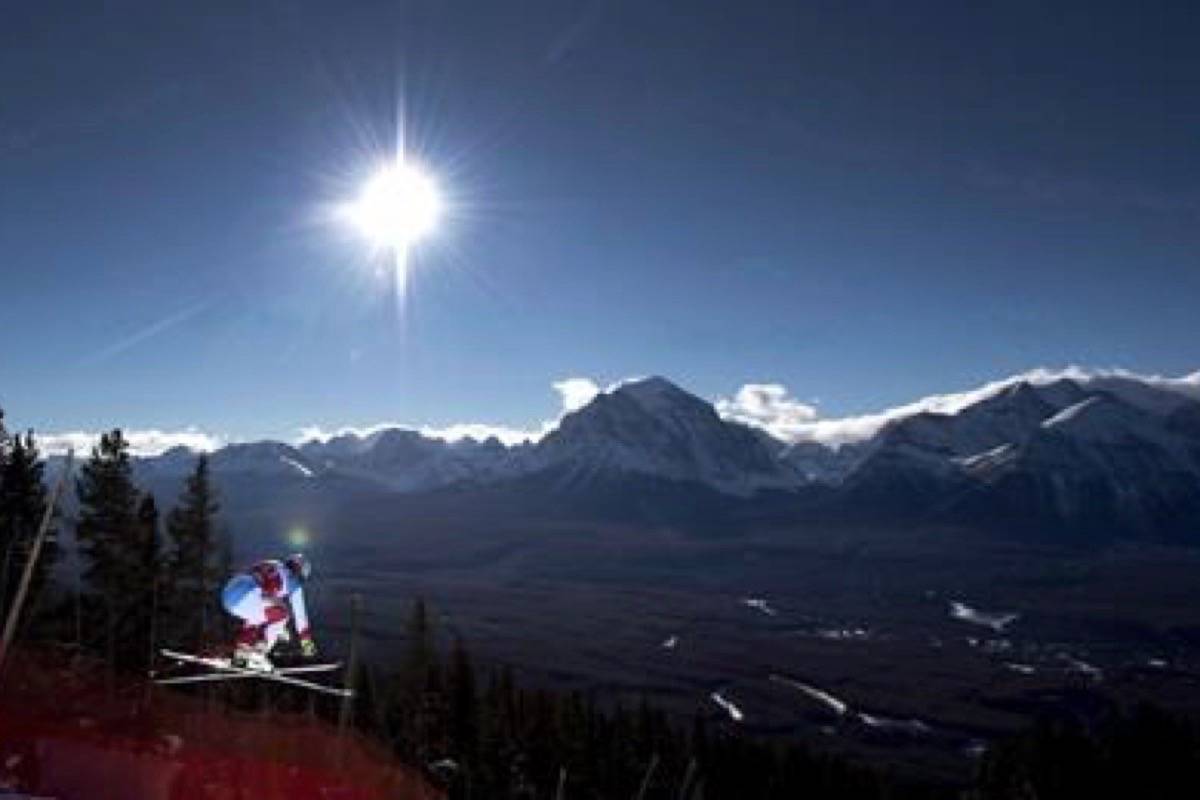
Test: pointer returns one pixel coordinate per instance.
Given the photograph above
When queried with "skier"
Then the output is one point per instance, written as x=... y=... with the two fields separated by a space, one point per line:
x=260 y=597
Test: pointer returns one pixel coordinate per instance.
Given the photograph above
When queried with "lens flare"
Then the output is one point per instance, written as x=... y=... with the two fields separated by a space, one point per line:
x=298 y=538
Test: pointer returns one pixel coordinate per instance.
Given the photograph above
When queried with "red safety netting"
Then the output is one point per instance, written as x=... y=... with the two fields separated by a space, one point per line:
x=66 y=732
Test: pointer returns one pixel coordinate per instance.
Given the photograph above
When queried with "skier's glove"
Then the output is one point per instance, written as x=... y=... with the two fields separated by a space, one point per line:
x=308 y=647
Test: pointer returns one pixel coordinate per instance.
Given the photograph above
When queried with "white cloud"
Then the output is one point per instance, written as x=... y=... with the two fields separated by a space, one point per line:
x=768 y=406
x=783 y=417
x=576 y=392
x=1188 y=384
x=315 y=433
x=481 y=432
x=150 y=442
x=450 y=433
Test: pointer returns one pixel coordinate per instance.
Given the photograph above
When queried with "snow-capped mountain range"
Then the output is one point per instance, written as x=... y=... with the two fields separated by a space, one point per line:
x=1111 y=449
x=647 y=427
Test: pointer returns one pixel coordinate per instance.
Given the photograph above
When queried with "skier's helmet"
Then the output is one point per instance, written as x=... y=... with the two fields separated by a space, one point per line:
x=299 y=565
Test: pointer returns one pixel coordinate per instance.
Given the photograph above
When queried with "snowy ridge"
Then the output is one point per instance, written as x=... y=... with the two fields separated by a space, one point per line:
x=1153 y=393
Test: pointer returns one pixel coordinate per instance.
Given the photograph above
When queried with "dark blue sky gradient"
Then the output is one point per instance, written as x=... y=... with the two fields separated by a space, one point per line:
x=864 y=201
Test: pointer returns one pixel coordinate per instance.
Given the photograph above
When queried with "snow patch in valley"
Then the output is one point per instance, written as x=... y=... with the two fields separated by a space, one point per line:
x=844 y=634
x=759 y=604
x=976 y=748
x=732 y=710
x=834 y=704
x=910 y=726
x=913 y=727
x=995 y=620
x=1078 y=665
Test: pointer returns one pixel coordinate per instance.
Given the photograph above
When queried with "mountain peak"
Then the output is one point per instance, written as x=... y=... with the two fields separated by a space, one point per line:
x=651 y=385
x=656 y=394
x=651 y=426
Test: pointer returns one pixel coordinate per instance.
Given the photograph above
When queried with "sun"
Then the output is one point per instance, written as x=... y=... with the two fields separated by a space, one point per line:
x=398 y=206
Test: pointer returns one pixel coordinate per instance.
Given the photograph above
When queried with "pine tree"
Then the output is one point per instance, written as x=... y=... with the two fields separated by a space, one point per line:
x=222 y=624
x=149 y=570
x=4 y=440
x=464 y=703
x=195 y=561
x=22 y=505
x=420 y=651
x=419 y=691
x=109 y=542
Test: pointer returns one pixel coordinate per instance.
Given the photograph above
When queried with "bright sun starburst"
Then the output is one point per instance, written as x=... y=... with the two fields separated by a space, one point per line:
x=398 y=206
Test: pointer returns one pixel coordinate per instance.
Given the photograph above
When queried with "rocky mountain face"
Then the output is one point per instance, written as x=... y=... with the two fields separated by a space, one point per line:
x=1058 y=456
x=654 y=428
x=405 y=460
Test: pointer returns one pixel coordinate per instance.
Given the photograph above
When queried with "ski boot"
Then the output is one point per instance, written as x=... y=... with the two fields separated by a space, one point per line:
x=252 y=656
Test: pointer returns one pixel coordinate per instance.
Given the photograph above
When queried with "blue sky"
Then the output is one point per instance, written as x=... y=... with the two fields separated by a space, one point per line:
x=865 y=203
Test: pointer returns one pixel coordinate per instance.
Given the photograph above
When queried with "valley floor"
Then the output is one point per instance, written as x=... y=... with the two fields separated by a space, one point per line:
x=893 y=645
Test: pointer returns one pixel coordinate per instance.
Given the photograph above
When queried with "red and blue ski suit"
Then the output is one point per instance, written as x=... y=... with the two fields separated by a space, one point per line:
x=260 y=597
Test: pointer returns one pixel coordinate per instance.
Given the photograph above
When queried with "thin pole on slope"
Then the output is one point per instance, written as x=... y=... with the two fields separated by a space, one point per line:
x=14 y=613
x=153 y=636
x=356 y=605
